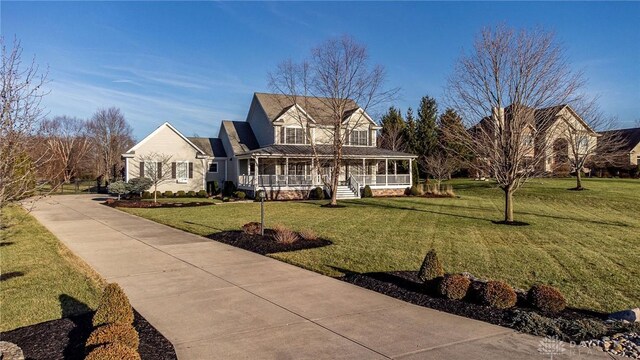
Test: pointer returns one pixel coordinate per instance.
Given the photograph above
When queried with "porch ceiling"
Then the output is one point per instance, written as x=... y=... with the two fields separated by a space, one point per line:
x=358 y=152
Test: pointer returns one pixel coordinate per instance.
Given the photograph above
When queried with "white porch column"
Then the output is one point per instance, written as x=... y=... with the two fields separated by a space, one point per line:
x=313 y=172
x=286 y=171
x=386 y=171
x=410 y=172
x=255 y=174
x=364 y=172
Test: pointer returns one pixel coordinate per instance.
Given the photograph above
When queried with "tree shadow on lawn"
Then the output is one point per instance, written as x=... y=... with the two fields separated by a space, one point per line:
x=10 y=275
x=203 y=225
x=389 y=206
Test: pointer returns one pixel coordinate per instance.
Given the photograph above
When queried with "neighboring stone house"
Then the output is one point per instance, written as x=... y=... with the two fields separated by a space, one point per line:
x=271 y=151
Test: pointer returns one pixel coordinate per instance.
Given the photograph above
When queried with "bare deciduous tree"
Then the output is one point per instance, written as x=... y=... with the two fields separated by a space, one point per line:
x=522 y=71
x=111 y=135
x=156 y=167
x=439 y=165
x=336 y=77
x=22 y=92
x=67 y=141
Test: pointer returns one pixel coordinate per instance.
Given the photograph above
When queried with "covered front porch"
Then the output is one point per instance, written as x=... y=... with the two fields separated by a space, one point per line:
x=300 y=173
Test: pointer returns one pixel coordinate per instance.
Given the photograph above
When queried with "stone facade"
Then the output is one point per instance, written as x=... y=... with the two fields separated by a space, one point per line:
x=388 y=192
x=275 y=194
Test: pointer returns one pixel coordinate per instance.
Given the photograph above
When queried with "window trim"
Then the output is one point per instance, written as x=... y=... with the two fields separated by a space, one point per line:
x=295 y=129
x=179 y=179
x=209 y=167
x=357 y=143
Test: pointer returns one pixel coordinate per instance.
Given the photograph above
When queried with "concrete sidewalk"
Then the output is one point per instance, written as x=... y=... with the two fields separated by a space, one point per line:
x=214 y=301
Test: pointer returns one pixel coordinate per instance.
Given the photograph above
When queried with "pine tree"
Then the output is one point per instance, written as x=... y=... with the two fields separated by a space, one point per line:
x=450 y=127
x=410 y=132
x=393 y=128
x=426 y=127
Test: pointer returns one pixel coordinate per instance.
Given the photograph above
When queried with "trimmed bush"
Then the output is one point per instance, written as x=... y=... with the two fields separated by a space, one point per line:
x=158 y=194
x=215 y=188
x=114 y=307
x=114 y=333
x=367 y=193
x=147 y=195
x=317 y=193
x=284 y=235
x=119 y=188
x=454 y=286
x=252 y=228
x=415 y=191
x=191 y=193
x=180 y=193
x=240 y=195
x=229 y=188
x=225 y=199
x=113 y=351
x=546 y=298
x=167 y=193
x=140 y=184
x=498 y=294
x=202 y=193
x=431 y=267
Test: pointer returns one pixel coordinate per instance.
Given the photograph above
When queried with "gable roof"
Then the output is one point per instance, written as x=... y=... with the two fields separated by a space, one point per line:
x=630 y=137
x=539 y=117
x=274 y=105
x=240 y=136
x=211 y=146
x=156 y=131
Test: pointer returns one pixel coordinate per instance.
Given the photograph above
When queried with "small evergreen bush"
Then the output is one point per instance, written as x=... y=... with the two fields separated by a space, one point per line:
x=167 y=193
x=140 y=184
x=114 y=307
x=225 y=199
x=546 y=298
x=229 y=188
x=252 y=228
x=202 y=193
x=240 y=195
x=215 y=188
x=498 y=294
x=431 y=267
x=158 y=194
x=113 y=351
x=317 y=193
x=415 y=191
x=114 y=333
x=180 y=193
x=454 y=286
x=367 y=193
x=146 y=195
x=191 y=193
x=119 y=188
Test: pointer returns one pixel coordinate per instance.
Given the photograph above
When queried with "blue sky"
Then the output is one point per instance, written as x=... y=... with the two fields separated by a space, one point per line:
x=197 y=63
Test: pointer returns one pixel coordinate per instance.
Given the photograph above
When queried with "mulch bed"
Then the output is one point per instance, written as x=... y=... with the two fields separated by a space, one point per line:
x=65 y=338
x=151 y=204
x=569 y=325
x=264 y=244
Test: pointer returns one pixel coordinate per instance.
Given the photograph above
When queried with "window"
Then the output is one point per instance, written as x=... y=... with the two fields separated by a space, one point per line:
x=359 y=138
x=527 y=140
x=213 y=167
x=150 y=169
x=182 y=171
x=294 y=136
x=583 y=145
x=297 y=169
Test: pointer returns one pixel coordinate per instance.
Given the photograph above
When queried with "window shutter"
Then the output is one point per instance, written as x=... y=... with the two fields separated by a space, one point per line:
x=173 y=170
x=159 y=170
x=190 y=170
x=141 y=168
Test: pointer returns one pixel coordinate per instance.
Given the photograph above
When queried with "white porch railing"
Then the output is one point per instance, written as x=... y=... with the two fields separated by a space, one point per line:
x=308 y=180
x=381 y=180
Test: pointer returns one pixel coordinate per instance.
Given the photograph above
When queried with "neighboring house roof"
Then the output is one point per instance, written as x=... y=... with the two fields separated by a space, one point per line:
x=240 y=136
x=327 y=150
x=275 y=105
x=167 y=125
x=630 y=137
x=211 y=146
x=538 y=117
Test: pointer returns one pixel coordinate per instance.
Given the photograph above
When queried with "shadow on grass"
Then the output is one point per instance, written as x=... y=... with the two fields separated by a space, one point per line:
x=6 y=243
x=203 y=225
x=389 y=206
x=10 y=275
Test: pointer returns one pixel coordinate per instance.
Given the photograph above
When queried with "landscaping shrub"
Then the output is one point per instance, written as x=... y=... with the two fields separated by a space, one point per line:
x=191 y=193
x=317 y=193
x=139 y=185
x=284 y=235
x=431 y=267
x=167 y=193
x=308 y=235
x=215 y=188
x=202 y=194
x=158 y=194
x=146 y=195
x=252 y=228
x=113 y=351
x=454 y=286
x=546 y=298
x=225 y=199
x=114 y=333
x=114 y=307
x=367 y=193
x=180 y=193
x=240 y=195
x=498 y=294
x=407 y=191
x=414 y=191
x=119 y=188
x=448 y=191
x=229 y=188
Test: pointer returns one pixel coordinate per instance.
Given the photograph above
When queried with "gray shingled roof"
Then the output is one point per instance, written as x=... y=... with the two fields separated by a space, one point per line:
x=630 y=137
x=275 y=105
x=211 y=146
x=327 y=150
x=240 y=136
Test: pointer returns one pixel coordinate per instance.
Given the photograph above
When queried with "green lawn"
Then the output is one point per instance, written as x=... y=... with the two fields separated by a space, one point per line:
x=185 y=200
x=41 y=279
x=586 y=243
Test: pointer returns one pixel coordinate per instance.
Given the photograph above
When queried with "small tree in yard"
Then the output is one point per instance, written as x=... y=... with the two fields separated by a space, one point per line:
x=439 y=166
x=139 y=185
x=431 y=267
x=119 y=187
x=157 y=168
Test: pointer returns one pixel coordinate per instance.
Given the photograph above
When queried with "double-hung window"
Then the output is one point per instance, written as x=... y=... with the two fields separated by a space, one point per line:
x=359 y=138
x=294 y=135
x=182 y=171
x=213 y=167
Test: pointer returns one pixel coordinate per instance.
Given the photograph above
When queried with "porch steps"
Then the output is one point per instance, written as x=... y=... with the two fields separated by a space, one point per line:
x=344 y=192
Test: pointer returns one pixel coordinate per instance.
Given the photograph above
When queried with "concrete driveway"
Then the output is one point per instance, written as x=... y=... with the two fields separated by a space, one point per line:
x=214 y=301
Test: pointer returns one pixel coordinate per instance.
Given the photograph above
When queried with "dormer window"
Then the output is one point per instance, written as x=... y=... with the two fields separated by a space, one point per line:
x=359 y=138
x=293 y=135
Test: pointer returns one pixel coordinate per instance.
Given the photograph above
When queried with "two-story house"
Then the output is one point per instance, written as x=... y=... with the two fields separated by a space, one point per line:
x=284 y=148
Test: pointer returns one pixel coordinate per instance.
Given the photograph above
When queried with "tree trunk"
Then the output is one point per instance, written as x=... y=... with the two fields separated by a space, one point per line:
x=155 y=193
x=508 y=205
x=579 y=179
x=335 y=177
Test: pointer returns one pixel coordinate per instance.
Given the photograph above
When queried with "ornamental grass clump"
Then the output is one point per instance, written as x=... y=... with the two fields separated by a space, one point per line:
x=309 y=235
x=454 y=286
x=431 y=267
x=252 y=228
x=546 y=298
x=114 y=333
x=367 y=193
x=284 y=235
x=113 y=351
x=498 y=294
x=114 y=307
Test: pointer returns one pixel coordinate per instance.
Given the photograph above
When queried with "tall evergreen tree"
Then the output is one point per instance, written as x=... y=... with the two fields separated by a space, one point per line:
x=393 y=128
x=426 y=126
x=410 y=132
x=449 y=124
